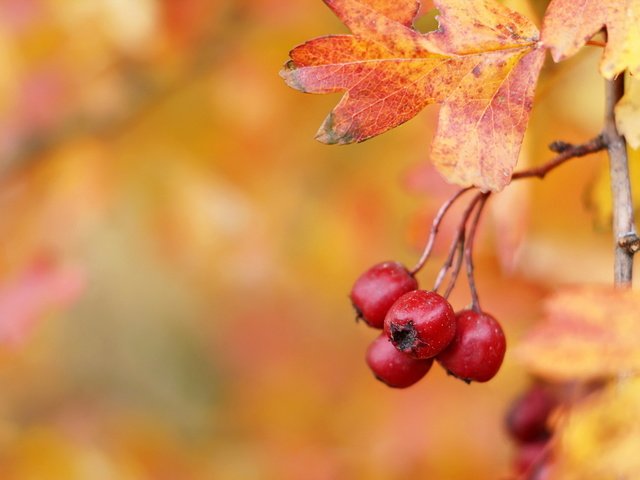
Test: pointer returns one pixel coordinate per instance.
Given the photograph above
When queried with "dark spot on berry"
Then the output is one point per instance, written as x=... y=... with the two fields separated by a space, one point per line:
x=404 y=337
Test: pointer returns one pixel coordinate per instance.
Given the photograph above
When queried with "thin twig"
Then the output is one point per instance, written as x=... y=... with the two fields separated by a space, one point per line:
x=468 y=252
x=566 y=151
x=623 y=223
x=435 y=225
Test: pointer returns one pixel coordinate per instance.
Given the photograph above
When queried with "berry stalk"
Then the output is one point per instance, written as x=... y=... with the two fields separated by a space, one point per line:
x=457 y=244
x=468 y=253
x=435 y=225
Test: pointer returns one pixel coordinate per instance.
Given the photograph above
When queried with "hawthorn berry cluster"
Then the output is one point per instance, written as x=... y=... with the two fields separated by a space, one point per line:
x=420 y=326
x=527 y=423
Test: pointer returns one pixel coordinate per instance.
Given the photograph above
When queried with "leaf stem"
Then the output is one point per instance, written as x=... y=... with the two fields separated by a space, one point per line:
x=456 y=269
x=435 y=225
x=624 y=233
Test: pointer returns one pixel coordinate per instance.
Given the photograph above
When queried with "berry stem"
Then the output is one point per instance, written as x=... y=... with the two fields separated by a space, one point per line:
x=566 y=151
x=458 y=238
x=435 y=225
x=456 y=245
x=468 y=252
x=456 y=269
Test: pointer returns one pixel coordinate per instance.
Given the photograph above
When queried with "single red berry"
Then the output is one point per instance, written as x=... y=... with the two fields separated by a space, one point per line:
x=393 y=367
x=375 y=290
x=477 y=350
x=420 y=324
x=527 y=417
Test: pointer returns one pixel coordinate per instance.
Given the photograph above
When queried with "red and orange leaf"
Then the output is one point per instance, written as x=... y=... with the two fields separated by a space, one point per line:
x=482 y=65
x=568 y=24
x=589 y=332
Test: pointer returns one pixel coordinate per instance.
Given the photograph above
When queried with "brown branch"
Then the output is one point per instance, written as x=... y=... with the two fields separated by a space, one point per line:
x=566 y=151
x=468 y=253
x=435 y=225
x=623 y=223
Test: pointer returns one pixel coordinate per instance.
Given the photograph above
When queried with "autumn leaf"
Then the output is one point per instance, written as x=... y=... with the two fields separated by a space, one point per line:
x=481 y=65
x=589 y=332
x=602 y=437
x=568 y=24
x=628 y=113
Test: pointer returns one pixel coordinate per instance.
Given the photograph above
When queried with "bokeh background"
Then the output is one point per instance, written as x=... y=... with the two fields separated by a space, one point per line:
x=176 y=252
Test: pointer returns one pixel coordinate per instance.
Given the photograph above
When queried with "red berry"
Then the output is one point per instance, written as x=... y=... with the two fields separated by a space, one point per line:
x=392 y=367
x=376 y=289
x=477 y=351
x=420 y=323
x=527 y=417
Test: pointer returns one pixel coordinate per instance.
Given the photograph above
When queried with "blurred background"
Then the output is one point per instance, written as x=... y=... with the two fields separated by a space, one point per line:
x=176 y=252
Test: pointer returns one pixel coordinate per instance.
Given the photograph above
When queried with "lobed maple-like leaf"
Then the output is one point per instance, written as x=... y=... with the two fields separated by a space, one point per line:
x=568 y=24
x=589 y=332
x=481 y=64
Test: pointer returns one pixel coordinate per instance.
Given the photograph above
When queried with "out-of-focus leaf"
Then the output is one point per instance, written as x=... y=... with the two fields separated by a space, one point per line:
x=628 y=112
x=589 y=332
x=568 y=24
x=43 y=286
x=511 y=215
x=482 y=64
x=601 y=439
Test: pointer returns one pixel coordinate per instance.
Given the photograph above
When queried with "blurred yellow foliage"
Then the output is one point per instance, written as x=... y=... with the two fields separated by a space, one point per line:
x=601 y=438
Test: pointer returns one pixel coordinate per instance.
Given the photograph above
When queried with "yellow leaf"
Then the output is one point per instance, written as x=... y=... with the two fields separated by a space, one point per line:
x=589 y=332
x=628 y=112
x=601 y=439
x=568 y=24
